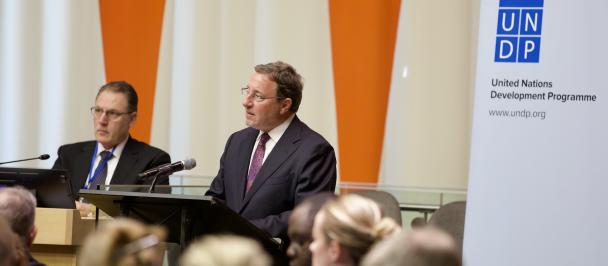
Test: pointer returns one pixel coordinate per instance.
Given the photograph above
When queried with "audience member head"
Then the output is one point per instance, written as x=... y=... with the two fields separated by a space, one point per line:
x=114 y=113
x=418 y=222
x=425 y=246
x=123 y=242
x=11 y=248
x=225 y=250
x=300 y=228
x=346 y=228
x=18 y=205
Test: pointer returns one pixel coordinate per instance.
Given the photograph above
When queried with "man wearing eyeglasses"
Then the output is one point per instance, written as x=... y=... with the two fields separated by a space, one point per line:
x=113 y=157
x=271 y=166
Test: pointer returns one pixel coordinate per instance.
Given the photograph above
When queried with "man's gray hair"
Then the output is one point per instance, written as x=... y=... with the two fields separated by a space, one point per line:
x=18 y=205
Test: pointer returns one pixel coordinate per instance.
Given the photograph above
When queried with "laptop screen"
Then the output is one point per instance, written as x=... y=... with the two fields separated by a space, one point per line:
x=52 y=188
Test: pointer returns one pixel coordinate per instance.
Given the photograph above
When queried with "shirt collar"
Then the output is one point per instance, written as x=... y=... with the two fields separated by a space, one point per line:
x=118 y=149
x=276 y=133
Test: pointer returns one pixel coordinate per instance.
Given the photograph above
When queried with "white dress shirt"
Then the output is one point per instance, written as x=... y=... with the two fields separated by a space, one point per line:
x=275 y=134
x=112 y=163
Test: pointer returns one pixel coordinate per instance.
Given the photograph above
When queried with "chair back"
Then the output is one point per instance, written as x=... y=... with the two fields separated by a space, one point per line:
x=388 y=203
x=450 y=218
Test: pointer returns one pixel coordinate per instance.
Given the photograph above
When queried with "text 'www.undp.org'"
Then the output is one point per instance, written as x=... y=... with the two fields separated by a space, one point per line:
x=519 y=114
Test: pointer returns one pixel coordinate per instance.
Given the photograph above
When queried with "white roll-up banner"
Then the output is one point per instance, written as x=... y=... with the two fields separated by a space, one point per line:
x=538 y=182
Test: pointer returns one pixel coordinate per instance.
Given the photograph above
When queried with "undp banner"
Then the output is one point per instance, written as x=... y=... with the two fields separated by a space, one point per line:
x=539 y=156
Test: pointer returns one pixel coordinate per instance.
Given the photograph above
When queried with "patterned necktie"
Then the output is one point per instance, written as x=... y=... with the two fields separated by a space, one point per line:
x=258 y=159
x=101 y=178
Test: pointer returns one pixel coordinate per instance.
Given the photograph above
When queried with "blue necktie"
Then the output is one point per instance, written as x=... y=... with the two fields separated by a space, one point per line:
x=101 y=179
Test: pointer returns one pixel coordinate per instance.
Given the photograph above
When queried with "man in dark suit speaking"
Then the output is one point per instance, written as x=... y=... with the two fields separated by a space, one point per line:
x=114 y=157
x=271 y=166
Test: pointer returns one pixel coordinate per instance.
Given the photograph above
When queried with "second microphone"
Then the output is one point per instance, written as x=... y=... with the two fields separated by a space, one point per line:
x=167 y=169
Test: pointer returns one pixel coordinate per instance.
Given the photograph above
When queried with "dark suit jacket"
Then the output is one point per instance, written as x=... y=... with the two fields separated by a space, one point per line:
x=33 y=262
x=135 y=158
x=301 y=163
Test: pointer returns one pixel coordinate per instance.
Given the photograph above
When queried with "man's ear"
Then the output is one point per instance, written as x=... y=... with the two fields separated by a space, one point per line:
x=133 y=119
x=285 y=105
x=335 y=250
x=32 y=235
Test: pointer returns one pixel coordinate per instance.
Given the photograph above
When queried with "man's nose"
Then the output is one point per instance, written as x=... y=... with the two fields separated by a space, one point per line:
x=291 y=251
x=247 y=101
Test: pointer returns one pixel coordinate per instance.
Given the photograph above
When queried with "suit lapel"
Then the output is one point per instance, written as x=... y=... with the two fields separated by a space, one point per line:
x=128 y=158
x=83 y=164
x=286 y=146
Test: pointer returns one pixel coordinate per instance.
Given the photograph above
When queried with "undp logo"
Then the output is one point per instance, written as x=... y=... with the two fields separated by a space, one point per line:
x=518 y=32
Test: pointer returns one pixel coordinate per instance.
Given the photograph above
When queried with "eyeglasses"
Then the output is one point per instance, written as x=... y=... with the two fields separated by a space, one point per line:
x=112 y=115
x=257 y=97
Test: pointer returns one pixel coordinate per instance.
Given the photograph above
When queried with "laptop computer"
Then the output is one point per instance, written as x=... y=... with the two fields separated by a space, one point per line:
x=51 y=187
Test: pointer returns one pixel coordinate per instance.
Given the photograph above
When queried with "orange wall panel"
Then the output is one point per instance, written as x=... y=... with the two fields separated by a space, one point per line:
x=131 y=32
x=363 y=34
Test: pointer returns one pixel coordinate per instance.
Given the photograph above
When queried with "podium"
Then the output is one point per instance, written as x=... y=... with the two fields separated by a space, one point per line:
x=60 y=233
x=185 y=216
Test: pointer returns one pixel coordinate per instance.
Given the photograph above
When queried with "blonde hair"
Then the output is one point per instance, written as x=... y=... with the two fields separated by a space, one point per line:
x=123 y=242
x=356 y=223
x=225 y=250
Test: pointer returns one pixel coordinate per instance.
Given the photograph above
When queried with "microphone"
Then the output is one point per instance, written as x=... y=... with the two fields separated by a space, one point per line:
x=41 y=157
x=169 y=168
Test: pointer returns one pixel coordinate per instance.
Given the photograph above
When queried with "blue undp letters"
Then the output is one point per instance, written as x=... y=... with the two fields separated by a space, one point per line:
x=518 y=31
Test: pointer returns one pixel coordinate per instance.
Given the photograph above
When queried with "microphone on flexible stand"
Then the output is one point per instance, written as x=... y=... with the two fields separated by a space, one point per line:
x=41 y=157
x=167 y=169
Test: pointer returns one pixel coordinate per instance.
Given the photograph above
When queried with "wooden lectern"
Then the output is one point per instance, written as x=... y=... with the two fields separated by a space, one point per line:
x=60 y=233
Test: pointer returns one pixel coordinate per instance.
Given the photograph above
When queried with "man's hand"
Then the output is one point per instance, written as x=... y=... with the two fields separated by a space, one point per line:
x=85 y=209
